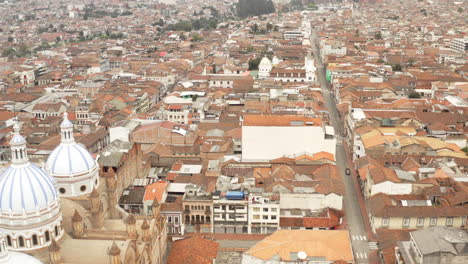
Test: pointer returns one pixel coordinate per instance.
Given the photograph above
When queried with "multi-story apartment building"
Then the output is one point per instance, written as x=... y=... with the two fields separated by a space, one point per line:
x=459 y=45
x=197 y=206
x=264 y=213
x=230 y=212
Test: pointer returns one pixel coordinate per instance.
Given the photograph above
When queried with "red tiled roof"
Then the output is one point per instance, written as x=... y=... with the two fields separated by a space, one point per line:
x=193 y=250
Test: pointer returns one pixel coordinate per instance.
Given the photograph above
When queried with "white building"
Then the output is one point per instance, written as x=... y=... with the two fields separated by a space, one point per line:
x=74 y=169
x=264 y=214
x=311 y=201
x=30 y=212
x=270 y=137
x=459 y=45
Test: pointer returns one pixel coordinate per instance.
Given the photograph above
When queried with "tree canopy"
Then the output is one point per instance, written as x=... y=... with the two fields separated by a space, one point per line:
x=247 y=8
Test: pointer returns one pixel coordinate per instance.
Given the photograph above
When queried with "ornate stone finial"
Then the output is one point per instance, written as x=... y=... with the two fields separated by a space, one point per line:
x=155 y=202
x=114 y=250
x=54 y=252
x=94 y=193
x=145 y=225
x=16 y=126
x=54 y=246
x=130 y=220
x=77 y=217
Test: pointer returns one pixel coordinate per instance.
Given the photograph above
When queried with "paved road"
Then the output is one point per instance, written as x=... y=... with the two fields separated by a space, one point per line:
x=353 y=216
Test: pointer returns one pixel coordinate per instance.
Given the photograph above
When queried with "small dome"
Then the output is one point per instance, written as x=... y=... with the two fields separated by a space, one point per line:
x=26 y=188
x=265 y=63
x=70 y=159
x=16 y=258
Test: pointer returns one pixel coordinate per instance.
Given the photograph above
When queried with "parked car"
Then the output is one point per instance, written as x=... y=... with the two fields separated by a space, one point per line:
x=348 y=171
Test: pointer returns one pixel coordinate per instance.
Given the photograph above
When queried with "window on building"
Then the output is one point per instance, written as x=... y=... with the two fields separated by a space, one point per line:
x=21 y=241
x=208 y=208
x=273 y=210
x=433 y=221
x=34 y=240
x=47 y=236
x=256 y=209
x=256 y=217
x=176 y=219
x=265 y=209
x=273 y=217
x=9 y=241
x=385 y=221
x=420 y=221
x=449 y=221
x=265 y=217
x=56 y=231
x=406 y=221
x=169 y=219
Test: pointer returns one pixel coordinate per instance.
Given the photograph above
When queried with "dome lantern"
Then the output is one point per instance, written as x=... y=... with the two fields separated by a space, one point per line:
x=66 y=130
x=19 y=155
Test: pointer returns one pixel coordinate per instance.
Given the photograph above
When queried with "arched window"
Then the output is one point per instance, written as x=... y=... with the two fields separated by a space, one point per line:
x=56 y=231
x=21 y=241
x=47 y=236
x=8 y=241
x=34 y=240
x=21 y=153
x=16 y=154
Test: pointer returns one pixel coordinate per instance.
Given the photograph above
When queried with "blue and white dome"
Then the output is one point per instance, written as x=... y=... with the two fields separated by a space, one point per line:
x=69 y=158
x=29 y=202
x=72 y=166
x=24 y=187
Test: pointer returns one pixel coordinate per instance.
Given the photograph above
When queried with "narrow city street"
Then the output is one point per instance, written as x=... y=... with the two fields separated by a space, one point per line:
x=353 y=216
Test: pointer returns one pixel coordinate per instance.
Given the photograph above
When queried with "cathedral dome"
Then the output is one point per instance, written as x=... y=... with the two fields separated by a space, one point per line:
x=265 y=63
x=24 y=187
x=69 y=158
x=72 y=166
x=29 y=203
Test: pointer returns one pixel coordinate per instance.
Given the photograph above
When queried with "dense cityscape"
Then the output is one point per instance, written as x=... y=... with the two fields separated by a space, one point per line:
x=233 y=132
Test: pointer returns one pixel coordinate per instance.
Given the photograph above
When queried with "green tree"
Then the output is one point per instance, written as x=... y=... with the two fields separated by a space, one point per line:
x=396 y=67
x=246 y=8
x=196 y=38
x=460 y=10
x=378 y=35
x=253 y=63
x=9 y=52
x=414 y=95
